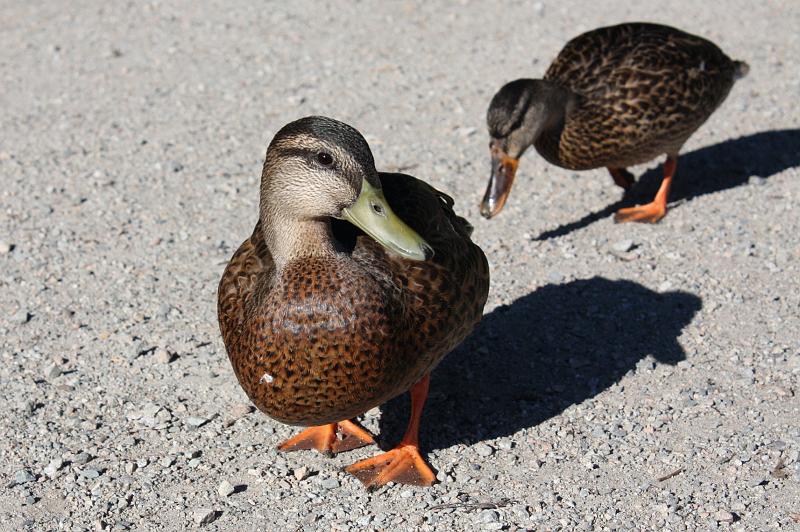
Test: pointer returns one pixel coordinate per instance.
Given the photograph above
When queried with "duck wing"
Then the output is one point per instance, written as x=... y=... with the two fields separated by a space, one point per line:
x=642 y=89
x=245 y=282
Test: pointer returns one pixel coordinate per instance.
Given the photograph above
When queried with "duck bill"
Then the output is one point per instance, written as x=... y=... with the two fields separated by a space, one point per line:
x=371 y=213
x=503 y=170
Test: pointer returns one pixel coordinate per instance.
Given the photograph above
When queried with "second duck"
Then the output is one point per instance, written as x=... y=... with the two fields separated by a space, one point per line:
x=614 y=97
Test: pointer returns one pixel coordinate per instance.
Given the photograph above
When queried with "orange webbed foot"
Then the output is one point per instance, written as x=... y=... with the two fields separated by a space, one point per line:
x=325 y=440
x=403 y=465
x=650 y=213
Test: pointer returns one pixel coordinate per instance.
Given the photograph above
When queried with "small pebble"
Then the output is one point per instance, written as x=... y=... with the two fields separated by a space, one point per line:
x=483 y=449
x=5 y=247
x=52 y=372
x=82 y=458
x=724 y=516
x=623 y=246
x=90 y=473
x=23 y=477
x=241 y=410
x=204 y=516
x=162 y=356
x=138 y=349
x=225 y=488
x=301 y=473
x=196 y=421
x=330 y=483
x=53 y=467
x=22 y=317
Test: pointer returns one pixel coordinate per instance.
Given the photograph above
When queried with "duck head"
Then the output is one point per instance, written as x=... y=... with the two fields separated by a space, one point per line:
x=318 y=168
x=517 y=115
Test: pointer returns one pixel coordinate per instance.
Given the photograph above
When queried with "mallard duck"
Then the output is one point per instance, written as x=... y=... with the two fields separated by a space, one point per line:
x=614 y=97
x=351 y=289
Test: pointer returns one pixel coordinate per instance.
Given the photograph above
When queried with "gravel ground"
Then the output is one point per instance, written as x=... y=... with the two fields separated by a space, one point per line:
x=624 y=377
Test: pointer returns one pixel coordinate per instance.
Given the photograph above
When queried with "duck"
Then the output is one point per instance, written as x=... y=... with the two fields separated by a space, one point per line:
x=614 y=97
x=351 y=289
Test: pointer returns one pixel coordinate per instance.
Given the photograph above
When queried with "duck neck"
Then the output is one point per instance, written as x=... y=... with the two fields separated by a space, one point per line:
x=288 y=239
x=550 y=110
x=552 y=106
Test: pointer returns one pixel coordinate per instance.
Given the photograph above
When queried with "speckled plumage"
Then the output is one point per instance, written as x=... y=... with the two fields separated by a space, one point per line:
x=333 y=336
x=642 y=90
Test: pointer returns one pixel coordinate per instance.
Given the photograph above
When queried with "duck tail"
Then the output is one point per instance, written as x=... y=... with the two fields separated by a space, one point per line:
x=740 y=69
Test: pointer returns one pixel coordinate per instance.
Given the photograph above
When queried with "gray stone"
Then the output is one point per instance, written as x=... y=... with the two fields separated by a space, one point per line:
x=301 y=473
x=82 y=458
x=623 y=246
x=240 y=410
x=225 y=489
x=53 y=467
x=22 y=317
x=90 y=473
x=204 y=516
x=162 y=356
x=23 y=476
x=330 y=483
x=52 y=372
x=483 y=449
x=196 y=422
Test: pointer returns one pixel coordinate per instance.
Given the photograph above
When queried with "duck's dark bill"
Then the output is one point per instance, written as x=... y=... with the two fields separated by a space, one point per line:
x=372 y=214
x=503 y=170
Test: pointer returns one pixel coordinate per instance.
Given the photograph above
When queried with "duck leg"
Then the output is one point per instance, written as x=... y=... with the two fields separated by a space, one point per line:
x=656 y=209
x=622 y=177
x=324 y=438
x=403 y=464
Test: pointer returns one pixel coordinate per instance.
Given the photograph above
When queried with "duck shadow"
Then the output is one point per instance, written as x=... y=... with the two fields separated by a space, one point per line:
x=528 y=361
x=711 y=169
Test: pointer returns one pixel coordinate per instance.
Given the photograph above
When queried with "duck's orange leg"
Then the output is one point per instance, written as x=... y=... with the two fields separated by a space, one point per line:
x=403 y=464
x=656 y=209
x=622 y=177
x=324 y=438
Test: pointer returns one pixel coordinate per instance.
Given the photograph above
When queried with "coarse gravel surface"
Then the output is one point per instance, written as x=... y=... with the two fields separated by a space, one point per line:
x=624 y=377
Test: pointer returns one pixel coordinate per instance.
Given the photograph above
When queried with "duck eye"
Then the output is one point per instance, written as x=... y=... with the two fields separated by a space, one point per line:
x=324 y=158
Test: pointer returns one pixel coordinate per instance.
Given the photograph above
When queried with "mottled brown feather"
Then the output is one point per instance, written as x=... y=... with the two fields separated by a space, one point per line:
x=642 y=89
x=333 y=336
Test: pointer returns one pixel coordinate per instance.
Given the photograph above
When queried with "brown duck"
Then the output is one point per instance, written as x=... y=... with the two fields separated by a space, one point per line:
x=614 y=97
x=335 y=304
